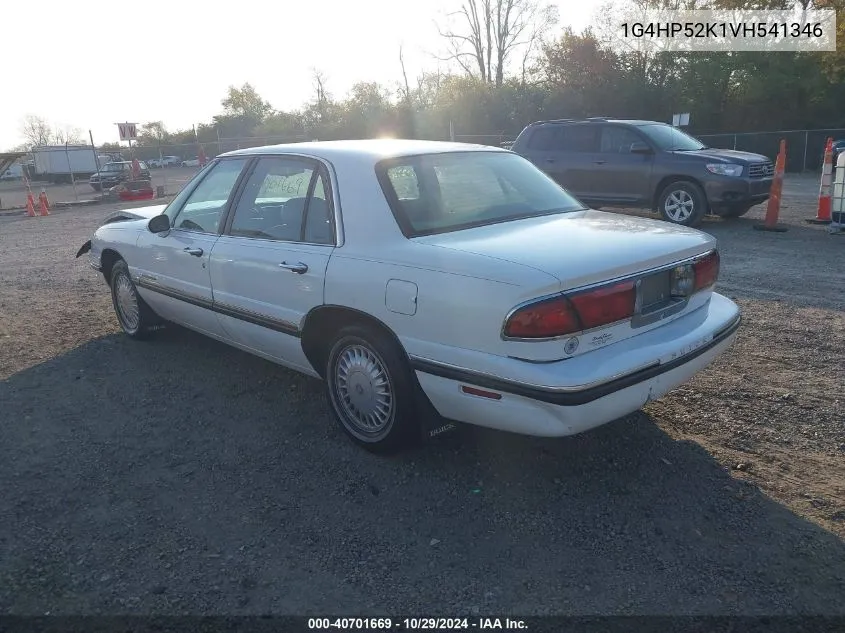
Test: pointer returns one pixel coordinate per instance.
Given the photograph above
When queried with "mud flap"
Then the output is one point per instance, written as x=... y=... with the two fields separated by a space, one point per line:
x=84 y=249
x=432 y=424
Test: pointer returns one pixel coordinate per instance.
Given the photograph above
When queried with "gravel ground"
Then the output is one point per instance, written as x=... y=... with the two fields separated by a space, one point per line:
x=182 y=476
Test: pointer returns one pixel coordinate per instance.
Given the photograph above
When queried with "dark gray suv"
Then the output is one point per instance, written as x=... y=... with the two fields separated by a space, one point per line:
x=646 y=164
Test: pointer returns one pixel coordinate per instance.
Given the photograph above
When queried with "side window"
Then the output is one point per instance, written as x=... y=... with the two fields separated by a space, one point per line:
x=275 y=204
x=579 y=138
x=205 y=205
x=617 y=140
x=543 y=139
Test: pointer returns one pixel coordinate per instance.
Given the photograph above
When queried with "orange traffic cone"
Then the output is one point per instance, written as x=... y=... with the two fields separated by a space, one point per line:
x=43 y=203
x=773 y=208
x=30 y=205
x=823 y=214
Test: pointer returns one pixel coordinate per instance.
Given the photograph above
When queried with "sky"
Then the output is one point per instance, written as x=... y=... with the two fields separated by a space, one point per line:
x=94 y=64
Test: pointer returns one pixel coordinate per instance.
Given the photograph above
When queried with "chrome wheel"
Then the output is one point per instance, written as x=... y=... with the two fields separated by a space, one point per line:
x=364 y=391
x=126 y=303
x=679 y=206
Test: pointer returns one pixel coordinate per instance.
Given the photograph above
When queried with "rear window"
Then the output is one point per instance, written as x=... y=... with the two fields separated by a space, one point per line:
x=438 y=193
x=565 y=138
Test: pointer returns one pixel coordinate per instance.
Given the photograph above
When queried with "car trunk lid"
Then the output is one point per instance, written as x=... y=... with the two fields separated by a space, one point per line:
x=580 y=248
x=591 y=248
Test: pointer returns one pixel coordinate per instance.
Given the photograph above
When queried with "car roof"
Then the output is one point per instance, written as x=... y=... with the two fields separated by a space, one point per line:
x=369 y=149
x=636 y=122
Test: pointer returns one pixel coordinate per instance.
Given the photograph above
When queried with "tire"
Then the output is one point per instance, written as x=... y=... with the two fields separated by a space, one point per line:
x=361 y=360
x=682 y=202
x=135 y=317
x=737 y=211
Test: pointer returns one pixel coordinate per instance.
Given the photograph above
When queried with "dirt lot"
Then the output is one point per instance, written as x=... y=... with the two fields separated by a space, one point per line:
x=182 y=476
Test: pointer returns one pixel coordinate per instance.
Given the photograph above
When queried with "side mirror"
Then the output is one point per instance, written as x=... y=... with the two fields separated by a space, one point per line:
x=640 y=148
x=159 y=224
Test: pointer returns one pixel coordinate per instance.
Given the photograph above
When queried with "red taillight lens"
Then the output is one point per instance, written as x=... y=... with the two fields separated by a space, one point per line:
x=544 y=319
x=706 y=271
x=605 y=305
x=562 y=315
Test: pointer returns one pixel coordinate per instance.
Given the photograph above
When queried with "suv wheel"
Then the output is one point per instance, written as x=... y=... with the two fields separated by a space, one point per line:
x=682 y=202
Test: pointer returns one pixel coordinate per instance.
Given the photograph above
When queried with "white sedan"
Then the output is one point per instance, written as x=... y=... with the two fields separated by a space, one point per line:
x=426 y=283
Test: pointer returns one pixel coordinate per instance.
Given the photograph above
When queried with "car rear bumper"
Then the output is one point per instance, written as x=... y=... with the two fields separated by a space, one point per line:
x=552 y=403
x=725 y=192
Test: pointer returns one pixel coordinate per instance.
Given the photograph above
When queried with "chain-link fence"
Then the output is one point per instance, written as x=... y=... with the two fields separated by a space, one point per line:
x=804 y=148
x=176 y=153
x=486 y=139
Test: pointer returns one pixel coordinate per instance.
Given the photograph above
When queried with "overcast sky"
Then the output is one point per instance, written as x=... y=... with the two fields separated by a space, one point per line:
x=91 y=64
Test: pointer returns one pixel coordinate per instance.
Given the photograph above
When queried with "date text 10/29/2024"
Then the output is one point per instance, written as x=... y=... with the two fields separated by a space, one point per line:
x=416 y=624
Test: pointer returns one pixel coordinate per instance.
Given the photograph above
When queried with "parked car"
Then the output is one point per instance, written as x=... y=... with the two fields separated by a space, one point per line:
x=427 y=283
x=838 y=148
x=646 y=164
x=165 y=161
x=115 y=173
x=191 y=162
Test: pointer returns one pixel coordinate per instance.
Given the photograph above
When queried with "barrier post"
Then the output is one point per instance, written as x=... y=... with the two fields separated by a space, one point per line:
x=773 y=207
x=837 y=216
x=823 y=213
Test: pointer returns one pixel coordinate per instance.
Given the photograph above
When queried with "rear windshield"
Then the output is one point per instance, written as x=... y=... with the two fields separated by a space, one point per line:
x=438 y=193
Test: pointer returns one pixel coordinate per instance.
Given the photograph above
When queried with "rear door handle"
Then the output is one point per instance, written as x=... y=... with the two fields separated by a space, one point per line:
x=298 y=268
x=550 y=160
x=196 y=252
x=599 y=162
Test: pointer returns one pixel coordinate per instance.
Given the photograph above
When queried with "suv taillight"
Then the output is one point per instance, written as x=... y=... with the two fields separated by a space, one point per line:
x=563 y=315
x=706 y=270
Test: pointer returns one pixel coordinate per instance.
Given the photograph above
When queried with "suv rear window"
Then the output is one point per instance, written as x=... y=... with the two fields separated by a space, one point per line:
x=438 y=193
x=543 y=139
x=565 y=138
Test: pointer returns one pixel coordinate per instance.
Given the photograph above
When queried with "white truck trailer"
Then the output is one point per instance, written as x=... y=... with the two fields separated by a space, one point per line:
x=56 y=163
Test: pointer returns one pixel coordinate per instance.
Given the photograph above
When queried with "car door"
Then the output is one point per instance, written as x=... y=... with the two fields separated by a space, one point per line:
x=174 y=274
x=268 y=268
x=622 y=176
x=569 y=153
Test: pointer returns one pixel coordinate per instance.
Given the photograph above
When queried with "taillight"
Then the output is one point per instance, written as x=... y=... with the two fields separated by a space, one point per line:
x=544 y=319
x=706 y=271
x=564 y=315
x=605 y=305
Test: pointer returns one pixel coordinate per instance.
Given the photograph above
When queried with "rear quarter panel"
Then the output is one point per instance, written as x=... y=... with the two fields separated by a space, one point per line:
x=461 y=299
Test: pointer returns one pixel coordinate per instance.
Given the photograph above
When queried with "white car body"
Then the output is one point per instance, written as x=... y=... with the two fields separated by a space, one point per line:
x=445 y=296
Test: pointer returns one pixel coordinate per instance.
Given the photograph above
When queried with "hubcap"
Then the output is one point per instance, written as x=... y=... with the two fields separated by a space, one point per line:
x=679 y=205
x=364 y=390
x=126 y=302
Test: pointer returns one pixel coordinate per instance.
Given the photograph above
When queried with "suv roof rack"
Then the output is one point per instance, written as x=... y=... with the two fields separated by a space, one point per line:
x=592 y=118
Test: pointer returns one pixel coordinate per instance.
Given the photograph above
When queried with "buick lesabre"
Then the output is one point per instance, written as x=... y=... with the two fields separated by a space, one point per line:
x=423 y=278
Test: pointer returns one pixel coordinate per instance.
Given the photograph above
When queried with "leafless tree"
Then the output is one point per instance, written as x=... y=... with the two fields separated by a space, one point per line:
x=322 y=97
x=407 y=93
x=69 y=135
x=483 y=35
x=36 y=130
